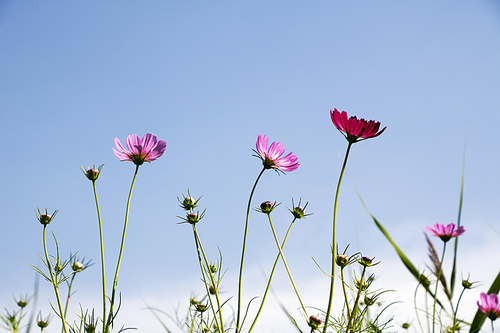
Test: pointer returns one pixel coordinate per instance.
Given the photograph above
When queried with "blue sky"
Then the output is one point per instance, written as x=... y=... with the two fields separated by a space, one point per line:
x=208 y=77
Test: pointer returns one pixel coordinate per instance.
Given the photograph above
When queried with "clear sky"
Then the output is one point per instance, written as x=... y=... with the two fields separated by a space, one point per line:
x=208 y=77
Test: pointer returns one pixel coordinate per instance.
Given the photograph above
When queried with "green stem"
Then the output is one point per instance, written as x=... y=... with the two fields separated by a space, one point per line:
x=102 y=259
x=70 y=285
x=271 y=277
x=353 y=312
x=416 y=308
x=212 y=281
x=286 y=266
x=332 y=276
x=54 y=282
x=115 y=281
x=435 y=293
x=237 y=329
x=345 y=293
x=456 y=310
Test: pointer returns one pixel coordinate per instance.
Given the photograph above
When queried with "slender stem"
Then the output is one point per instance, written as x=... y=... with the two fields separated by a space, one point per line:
x=435 y=293
x=456 y=310
x=212 y=281
x=416 y=308
x=271 y=277
x=237 y=329
x=115 y=282
x=332 y=276
x=102 y=259
x=54 y=282
x=70 y=285
x=286 y=266
x=345 y=293
x=492 y=327
x=353 y=312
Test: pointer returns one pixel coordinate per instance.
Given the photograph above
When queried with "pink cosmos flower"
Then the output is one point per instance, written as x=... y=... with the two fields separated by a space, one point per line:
x=446 y=232
x=271 y=157
x=354 y=129
x=490 y=305
x=142 y=150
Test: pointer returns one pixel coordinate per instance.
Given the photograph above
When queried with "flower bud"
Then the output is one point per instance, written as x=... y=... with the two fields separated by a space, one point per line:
x=92 y=173
x=424 y=280
x=89 y=328
x=58 y=268
x=212 y=290
x=314 y=322
x=193 y=301
x=22 y=303
x=212 y=268
x=298 y=212
x=369 y=301
x=192 y=218
x=406 y=326
x=467 y=284
x=42 y=323
x=266 y=207
x=45 y=218
x=366 y=262
x=77 y=266
x=201 y=307
x=189 y=203
x=361 y=285
x=342 y=260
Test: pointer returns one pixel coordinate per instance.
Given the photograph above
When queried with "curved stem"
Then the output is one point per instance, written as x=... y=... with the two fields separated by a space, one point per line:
x=456 y=310
x=286 y=266
x=332 y=276
x=435 y=293
x=271 y=277
x=416 y=308
x=237 y=329
x=54 y=282
x=212 y=281
x=110 y=318
x=102 y=259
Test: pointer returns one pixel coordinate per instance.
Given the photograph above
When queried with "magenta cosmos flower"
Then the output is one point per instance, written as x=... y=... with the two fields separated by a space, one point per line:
x=271 y=157
x=446 y=232
x=142 y=150
x=354 y=129
x=490 y=305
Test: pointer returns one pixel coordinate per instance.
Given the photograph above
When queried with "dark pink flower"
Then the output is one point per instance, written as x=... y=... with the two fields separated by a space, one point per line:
x=446 y=232
x=142 y=150
x=490 y=305
x=271 y=157
x=354 y=129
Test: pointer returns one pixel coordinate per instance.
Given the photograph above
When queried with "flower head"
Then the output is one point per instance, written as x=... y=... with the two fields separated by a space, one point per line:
x=271 y=157
x=446 y=232
x=142 y=150
x=354 y=129
x=489 y=305
x=298 y=211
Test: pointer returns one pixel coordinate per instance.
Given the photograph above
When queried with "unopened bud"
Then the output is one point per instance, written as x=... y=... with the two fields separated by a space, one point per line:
x=266 y=207
x=77 y=266
x=201 y=307
x=342 y=260
x=192 y=218
x=314 y=322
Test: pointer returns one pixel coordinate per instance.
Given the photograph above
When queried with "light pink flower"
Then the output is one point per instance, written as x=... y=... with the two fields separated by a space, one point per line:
x=446 y=232
x=490 y=305
x=354 y=129
x=142 y=150
x=271 y=157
